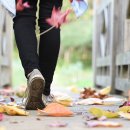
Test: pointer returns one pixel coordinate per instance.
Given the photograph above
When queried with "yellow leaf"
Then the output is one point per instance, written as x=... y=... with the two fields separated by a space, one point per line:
x=124 y=115
x=105 y=91
x=125 y=109
x=99 y=113
x=110 y=114
x=2 y=109
x=96 y=111
x=13 y=110
x=65 y=103
x=74 y=90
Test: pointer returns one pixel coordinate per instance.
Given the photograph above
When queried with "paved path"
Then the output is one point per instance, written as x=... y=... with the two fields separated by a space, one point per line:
x=74 y=123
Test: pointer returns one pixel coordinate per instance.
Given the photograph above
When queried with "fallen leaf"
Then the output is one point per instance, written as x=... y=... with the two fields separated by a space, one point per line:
x=1 y=116
x=103 y=118
x=2 y=109
x=58 y=18
x=13 y=110
x=58 y=124
x=125 y=109
x=55 y=109
x=124 y=115
x=87 y=93
x=127 y=103
x=113 y=100
x=90 y=117
x=96 y=112
x=105 y=91
x=90 y=101
x=64 y=100
x=99 y=113
x=102 y=124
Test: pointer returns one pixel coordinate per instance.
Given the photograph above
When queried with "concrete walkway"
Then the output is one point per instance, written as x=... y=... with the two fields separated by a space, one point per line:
x=35 y=122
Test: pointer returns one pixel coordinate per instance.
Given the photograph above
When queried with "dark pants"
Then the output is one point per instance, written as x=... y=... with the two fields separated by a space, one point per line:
x=24 y=29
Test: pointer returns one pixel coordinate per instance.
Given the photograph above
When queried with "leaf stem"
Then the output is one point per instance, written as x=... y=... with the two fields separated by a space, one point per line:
x=38 y=35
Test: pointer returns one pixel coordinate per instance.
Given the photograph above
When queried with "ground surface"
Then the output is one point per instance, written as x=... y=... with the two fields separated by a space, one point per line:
x=74 y=123
x=35 y=122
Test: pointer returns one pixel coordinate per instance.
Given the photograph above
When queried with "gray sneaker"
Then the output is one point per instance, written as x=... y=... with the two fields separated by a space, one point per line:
x=36 y=83
x=48 y=99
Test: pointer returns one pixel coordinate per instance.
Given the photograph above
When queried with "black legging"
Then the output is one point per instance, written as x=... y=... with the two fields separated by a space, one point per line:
x=24 y=29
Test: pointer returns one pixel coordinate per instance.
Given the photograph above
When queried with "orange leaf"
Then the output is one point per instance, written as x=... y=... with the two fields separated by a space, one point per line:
x=55 y=109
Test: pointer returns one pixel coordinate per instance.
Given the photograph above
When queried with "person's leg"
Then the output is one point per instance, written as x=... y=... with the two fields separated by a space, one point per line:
x=24 y=29
x=49 y=43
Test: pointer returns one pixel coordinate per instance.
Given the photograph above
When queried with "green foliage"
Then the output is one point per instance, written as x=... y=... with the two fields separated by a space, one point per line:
x=77 y=33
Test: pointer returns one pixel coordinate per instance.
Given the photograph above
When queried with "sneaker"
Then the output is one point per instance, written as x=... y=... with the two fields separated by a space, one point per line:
x=36 y=83
x=48 y=99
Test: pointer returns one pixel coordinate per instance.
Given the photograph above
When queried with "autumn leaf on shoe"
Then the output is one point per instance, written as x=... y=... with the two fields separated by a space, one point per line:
x=20 y=6
x=58 y=17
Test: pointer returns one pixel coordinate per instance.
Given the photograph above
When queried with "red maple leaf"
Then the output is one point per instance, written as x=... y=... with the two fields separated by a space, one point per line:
x=20 y=6
x=58 y=17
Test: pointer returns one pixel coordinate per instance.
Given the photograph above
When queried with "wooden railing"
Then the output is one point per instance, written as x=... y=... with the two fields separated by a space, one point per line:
x=6 y=44
x=111 y=44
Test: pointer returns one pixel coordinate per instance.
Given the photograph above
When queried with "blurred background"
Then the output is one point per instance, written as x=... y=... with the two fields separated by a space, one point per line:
x=75 y=60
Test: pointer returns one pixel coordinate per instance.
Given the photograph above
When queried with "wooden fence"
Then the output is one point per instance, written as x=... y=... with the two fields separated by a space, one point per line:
x=111 y=44
x=6 y=44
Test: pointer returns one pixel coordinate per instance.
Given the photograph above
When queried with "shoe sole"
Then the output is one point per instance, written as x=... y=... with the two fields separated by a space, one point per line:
x=35 y=90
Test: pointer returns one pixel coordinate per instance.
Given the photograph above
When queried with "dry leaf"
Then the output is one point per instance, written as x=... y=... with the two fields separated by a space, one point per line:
x=99 y=113
x=58 y=124
x=13 y=110
x=102 y=124
x=125 y=104
x=1 y=116
x=105 y=91
x=124 y=115
x=96 y=112
x=2 y=109
x=125 y=109
x=113 y=100
x=64 y=100
x=90 y=101
x=55 y=109
x=91 y=93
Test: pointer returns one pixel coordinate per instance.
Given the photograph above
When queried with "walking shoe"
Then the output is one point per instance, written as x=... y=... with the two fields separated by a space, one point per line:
x=48 y=99
x=36 y=83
